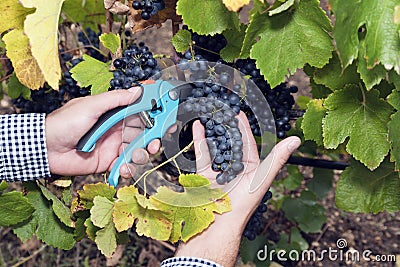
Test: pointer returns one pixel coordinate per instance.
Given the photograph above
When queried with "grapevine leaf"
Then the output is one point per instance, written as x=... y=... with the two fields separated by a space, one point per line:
x=80 y=229
x=381 y=38
x=3 y=185
x=44 y=42
x=101 y=212
x=291 y=39
x=44 y=223
x=14 y=208
x=362 y=190
x=235 y=5
x=394 y=138
x=333 y=76
x=321 y=183
x=111 y=41
x=182 y=40
x=302 y=101
x=94 y=73
x=193 y=210
x=294 y=178
x=362 y=117
x=218 y=17
x=106 y=240
x=312 y=121
x=91 y=229
x=88 y=13
x=283 y=7
x=292 y=241
x=394 y=99
x=234 y=38
x=15 y=14
x=17 y=89
x=370 y=76
x=312 y=215
x=249 y=249
x=25 y=65
x=396 y=16
x=86 y=196
x=125 y=208
x=254 y=29
x=63 y=212
x=150 y=221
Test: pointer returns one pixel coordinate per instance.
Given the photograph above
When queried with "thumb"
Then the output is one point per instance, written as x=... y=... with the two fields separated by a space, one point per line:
x=269 y=167
x=98 y=104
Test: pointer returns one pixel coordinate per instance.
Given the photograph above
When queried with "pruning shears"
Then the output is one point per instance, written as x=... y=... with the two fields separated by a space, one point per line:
x=158 y=109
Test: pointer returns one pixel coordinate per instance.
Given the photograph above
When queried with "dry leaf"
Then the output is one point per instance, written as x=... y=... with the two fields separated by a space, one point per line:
x=235 y=5
x=119 y=8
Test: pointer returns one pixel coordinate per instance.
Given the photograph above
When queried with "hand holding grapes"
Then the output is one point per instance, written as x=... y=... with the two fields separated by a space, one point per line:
x=65 y=126
x=229 y=226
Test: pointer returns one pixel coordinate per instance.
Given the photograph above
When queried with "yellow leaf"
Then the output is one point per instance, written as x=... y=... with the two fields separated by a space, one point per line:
x=41 y=29
x=25 y=66
x=235 y=5
x=15 y=14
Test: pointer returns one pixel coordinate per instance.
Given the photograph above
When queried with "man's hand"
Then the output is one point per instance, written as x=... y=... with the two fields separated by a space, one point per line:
x=220 y=242
x=65 y=127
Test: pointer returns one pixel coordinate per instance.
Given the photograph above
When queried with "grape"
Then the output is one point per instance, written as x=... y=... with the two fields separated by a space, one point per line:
x=137 y=64
x=254 y=226
x=148 y=8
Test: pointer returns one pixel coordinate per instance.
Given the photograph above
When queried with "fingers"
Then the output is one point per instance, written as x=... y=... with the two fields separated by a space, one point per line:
x=140 y=157
x=203 y=158
x=106 y=101
x=250 y=150
x=269 y=168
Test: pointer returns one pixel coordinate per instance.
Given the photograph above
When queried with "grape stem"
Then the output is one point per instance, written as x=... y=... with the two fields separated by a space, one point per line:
x=171 y=159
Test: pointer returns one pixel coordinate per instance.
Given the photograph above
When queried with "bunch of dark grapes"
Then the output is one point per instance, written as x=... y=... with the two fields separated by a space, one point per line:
x=137 y=64
x=90 y=39
x=148 y=7
x=280 y=98
x=255 y=225
x=46 y=100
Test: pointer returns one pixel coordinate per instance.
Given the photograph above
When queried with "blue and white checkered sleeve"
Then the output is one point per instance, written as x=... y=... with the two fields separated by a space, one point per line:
x=23 y=152
x=188 y=262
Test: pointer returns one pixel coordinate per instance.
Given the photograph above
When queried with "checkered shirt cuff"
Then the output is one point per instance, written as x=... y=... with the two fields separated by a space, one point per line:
x=23 y=153
x=188 y=262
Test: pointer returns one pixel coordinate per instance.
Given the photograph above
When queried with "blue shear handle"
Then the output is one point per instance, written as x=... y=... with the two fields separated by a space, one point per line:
x=112 y=117
x=162 y=122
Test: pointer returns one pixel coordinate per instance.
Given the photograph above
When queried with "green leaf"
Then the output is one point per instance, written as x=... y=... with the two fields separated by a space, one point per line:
x=101 y=212
x=312 y=121
x=292 y=241
x=191 y=211
x=3 y=185
x=370 y=76
x=15 y=14
x=151 y=222
x=182 y=40
x=381 y=38
x=88 y=13
x=362 y=117
x=106 y=240
x=80 y=229
x=110 y=41
x=44 y=223
x=90 y=191
x=250 y=249
x=334 y=76
x=14 y=208
x=302 y=101
x=291 y=39
x=321 y=183
x=362 y=190
x=44 y=42
x=94 y=73
x=17 y=89
x=206 y=17
x=305 y=211
x=63 y=212
x=91 y=229
x=394 y=99
x=395 y=79
x=283 y=7
x=234 y=38
x=394 y=138
x=294 y=178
